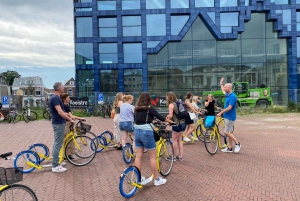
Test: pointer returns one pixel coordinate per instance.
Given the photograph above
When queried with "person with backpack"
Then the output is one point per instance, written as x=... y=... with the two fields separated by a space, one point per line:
x=178 y=117
x=190 y=125
x=229 y=114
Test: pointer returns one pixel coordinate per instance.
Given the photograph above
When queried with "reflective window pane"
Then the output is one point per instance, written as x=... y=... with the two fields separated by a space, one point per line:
x=229 y=51
x=204 y=3
x=156 y=24
x=108 y=32
x=108 y=27
x=270 y=33
x=84 y=27
x=276 y=50
x=177 y=23
x=179 y=3
x=200 y=31
x=226 y=29
x=155 y=4
x=286 y=17
x=131 y=4
x=152 y=44
x=106 y=4
x=84 y=53
x=212 y=16
x=83 y=9
x=108 y=53
x=108 y=22
x=298 y=47
x=204 y=52
x=131 y=25
x=108 y=48
x=133 y=80
x=109 y=81
x=132 y=52
x=131 y=20
x=86 y=84
x=253 y=50
x=229 y=19
x=132 y=31
x=255 y=28
x=280 y=1
x=227 y=3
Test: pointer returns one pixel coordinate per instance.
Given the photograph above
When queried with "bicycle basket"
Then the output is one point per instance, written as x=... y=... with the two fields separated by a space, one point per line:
x=10 y=175
x=165 y=134
x=84 y=128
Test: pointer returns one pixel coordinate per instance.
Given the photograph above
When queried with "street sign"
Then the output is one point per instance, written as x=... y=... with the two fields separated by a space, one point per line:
x=100 y=98
x=5 y=101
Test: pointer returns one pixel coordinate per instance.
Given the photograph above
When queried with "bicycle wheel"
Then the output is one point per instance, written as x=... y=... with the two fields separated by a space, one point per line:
x=109 y=137
x=22 y=158
x=221 y=127
x=17 y=117
x=17 y=192
x=127 y=153
x=101 y=143
x=40 y=148
x=33 y=115
x=129 y=176
x=47 y=115
x=211 y=141
x=92 y=136
x=83 y=153
x=166 y=158
x=25 y=117
x=200 y=132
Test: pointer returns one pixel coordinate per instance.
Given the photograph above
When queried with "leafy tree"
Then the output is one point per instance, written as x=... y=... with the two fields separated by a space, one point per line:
x=10 y=76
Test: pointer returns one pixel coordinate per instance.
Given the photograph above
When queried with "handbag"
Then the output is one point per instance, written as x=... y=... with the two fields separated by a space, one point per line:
x=209 y=121
x=192 y=115
x=155 y=134
x=112 y=115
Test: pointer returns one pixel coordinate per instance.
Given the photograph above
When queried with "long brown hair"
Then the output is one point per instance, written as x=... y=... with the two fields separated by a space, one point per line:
x=188 y=95
x=119 y=97
x=64 y=96
x=143 y=102
x=171 y=97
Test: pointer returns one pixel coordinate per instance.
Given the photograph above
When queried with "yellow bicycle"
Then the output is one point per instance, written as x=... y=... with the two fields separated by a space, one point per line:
x=8 y=189
x=83 y=147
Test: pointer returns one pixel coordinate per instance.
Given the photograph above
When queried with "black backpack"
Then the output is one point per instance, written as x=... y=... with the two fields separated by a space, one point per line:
x=182 y=110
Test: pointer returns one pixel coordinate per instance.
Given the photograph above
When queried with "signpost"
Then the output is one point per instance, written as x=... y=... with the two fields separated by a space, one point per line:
x=5 y=102
x=100 y=98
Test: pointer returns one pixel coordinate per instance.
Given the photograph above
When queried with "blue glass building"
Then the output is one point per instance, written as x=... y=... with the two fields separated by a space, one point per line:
x=186 y=45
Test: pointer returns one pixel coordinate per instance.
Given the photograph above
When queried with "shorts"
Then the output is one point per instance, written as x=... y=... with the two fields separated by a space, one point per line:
x=126 y=126
x=179 y=128
x=144 y=138
x=188 y=120
x=228 y=126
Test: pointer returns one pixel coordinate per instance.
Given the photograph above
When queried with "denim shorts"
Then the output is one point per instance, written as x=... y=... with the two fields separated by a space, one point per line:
x=179 y=128
x=126 y=126
x=228 y=126
x=144 y=138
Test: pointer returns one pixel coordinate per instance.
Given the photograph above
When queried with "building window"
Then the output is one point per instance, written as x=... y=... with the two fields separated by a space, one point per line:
x=70 y=92
x=298 y=47
x=132 y=52
x=37 y=91
x=108 y=27
x=82 y=1
x=84 y=53
x=152 y=44
x=227 y=3
x=131 y=4
x=177 y=23
x=228 y=20
x=132 y=76
x=109 y=81
x=131 y=25
x=84 y=27
x=298 y=21
x=83 y=9
x=85 y=90
x=156 y=24
x=71 y=83
x=204 y=3
x=179 y=3
x=155 y=4
x=280 y=1
x=108 y=53
x=107 y=4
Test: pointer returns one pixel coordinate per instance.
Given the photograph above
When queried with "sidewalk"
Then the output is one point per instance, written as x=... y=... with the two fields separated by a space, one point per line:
x=267 y=167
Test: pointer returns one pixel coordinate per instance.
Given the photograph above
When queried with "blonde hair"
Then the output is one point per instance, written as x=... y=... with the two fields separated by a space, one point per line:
x=128 y=97
x=195 y=98
x=119 y=97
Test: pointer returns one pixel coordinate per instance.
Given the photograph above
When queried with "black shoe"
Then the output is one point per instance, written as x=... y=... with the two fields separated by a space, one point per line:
x=119 y=148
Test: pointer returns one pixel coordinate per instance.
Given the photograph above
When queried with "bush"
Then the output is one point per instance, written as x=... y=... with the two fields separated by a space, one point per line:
x=277 y=109
x=291 y=106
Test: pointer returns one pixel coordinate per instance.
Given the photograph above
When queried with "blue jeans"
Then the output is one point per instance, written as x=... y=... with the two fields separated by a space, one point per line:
x=144 y=138
x=59 y=134
x=126 y=126
x=179 y=128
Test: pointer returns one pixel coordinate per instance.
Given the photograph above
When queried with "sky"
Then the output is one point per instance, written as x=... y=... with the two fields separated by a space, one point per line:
x=37 y=39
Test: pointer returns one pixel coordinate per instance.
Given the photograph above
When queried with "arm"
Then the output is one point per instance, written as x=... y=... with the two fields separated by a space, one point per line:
x=62 y=113
x=171 y=110
x=206 y=103
x=225 y=110
x=190 y=106
x=222 y=86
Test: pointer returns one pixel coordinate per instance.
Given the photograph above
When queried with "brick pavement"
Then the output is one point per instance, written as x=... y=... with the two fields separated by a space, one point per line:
x=265 y=169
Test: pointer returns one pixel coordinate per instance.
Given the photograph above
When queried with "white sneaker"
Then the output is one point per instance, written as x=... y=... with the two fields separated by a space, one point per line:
x=186 y=139
x=226 y=150
x=159 y=181
x=63 y=163
x=59 y=168
x=145 y=181
x=237 y=148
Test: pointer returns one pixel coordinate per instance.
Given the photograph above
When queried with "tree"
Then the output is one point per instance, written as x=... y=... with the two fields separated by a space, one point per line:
x=30 y=86
x=10 y=76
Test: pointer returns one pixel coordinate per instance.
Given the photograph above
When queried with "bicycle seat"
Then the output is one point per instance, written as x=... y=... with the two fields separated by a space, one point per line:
x=6 y=154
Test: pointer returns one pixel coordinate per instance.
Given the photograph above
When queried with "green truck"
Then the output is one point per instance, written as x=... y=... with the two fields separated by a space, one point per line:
x=246 y=96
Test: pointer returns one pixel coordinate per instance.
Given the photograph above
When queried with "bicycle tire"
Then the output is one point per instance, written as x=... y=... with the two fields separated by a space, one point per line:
x=8 y=119
x=109 y=137
x=101 y=141
x=26 y=155
x=166 y=158
x=211 y=141
x=200 y=133
x=17 y=192
x=221 y=127
x=83 y=156
x=40 y=148
x=129 y=175
x=33 y=115
x=25 y=117
x=92 y=136
x=17 y=117
x=47 y=115
x=127 y=152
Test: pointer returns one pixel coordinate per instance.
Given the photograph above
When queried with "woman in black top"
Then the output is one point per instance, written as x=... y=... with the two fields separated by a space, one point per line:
x=143 y=135
x=210 y=105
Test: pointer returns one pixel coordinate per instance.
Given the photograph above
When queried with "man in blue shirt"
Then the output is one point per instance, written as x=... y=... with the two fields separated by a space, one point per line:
x=58 y=123
x=229 y=114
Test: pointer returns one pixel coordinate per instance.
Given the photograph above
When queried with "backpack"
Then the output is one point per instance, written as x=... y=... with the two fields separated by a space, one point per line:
x=182 y=110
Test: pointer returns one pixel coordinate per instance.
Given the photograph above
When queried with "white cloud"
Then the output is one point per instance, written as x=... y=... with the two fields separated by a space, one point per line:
x=36 y=33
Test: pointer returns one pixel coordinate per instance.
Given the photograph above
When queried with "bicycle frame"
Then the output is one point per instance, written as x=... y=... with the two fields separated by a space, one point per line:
x=159 y=144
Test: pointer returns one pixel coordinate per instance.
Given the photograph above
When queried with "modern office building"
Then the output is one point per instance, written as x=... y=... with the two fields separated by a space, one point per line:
x=186 y=45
